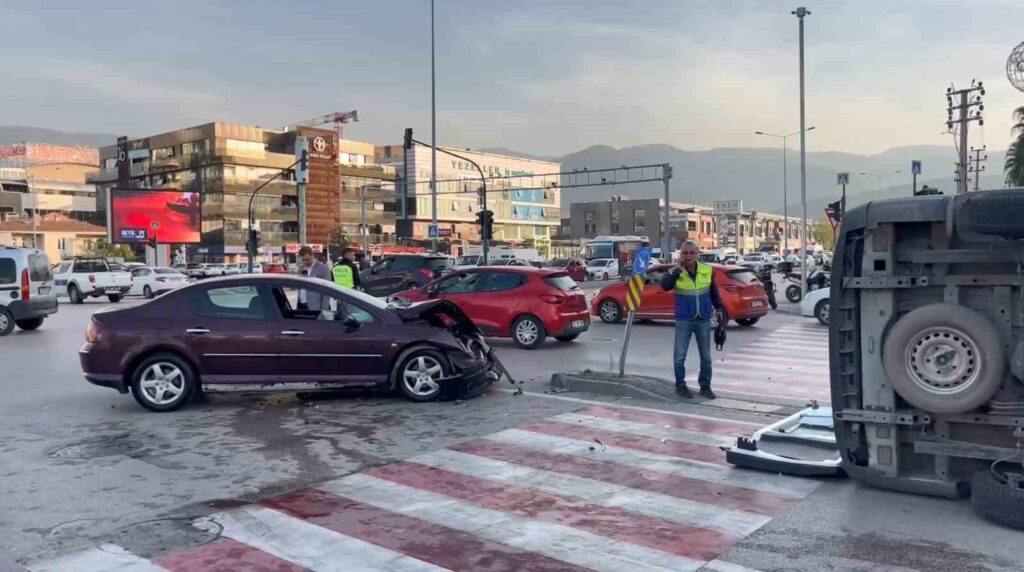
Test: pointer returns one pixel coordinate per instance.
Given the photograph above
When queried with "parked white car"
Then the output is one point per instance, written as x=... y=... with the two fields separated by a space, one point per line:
x=84 y=278
x=213 y=269
x=150 y=282
x=26 y=289
x=816 y=304
x=602 y=269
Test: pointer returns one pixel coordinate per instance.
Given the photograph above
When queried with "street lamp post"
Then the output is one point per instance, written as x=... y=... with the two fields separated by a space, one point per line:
x=433 y=133
x=878 y=179
x=785 y=192
x=800 y=13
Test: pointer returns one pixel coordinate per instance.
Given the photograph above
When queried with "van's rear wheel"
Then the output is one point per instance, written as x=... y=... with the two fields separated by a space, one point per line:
x=30 y=324
x=944 y=358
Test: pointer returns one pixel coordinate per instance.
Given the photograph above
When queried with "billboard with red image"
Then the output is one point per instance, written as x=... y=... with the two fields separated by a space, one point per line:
x=136 y=215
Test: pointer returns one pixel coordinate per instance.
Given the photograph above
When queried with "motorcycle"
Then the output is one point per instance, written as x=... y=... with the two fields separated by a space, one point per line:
x=817 y=279
x=765 y=276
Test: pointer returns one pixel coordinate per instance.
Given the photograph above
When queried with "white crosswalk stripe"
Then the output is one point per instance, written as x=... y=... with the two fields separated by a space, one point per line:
x=524 y=499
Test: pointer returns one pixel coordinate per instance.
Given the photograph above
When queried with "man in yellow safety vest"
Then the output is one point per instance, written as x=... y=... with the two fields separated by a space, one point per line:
x=346 y=272
x=697 y=303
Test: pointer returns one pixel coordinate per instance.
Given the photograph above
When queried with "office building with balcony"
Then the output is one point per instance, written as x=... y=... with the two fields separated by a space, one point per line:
x=225 y=163
x=522 y=193
x=57 y=189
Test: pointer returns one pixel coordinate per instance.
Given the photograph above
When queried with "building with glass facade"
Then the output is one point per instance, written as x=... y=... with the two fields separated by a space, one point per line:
x=522 y=193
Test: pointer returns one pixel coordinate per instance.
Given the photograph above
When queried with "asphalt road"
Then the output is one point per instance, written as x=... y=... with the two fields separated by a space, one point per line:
x=83 y=465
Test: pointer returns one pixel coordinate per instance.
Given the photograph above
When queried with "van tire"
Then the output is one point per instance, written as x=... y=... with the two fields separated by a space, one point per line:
x=914 y=346
x=30 y=324
x=6 y=322
x=997 y=501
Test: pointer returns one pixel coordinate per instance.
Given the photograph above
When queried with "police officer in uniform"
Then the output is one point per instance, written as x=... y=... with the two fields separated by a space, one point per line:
x=696 y=302
x=346 y=272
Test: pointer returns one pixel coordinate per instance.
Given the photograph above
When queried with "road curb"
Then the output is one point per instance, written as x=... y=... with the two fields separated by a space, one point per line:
x=663 y=391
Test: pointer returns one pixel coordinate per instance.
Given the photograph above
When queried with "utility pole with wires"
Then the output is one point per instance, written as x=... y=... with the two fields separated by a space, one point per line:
x=959 y=103
x=977 y=168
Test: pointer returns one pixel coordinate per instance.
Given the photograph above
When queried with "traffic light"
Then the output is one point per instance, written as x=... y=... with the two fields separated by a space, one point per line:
x=837 y=210
x=304 y=161
x=486 y=221
x=254 y=240
x=407 y=141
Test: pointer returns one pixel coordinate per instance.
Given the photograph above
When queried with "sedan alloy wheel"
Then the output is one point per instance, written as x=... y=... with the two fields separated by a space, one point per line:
x=421 y=376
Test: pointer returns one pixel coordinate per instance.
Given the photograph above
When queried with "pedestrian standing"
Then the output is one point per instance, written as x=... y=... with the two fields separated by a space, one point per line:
x=346 y=272
x=362 y=261
x=696 y=307
x=313 y=268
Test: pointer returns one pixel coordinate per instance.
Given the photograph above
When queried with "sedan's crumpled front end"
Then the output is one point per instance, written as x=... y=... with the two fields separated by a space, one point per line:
x=474 y=361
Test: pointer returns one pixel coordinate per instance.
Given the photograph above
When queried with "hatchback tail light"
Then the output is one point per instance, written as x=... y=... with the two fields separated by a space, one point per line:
x=94 y=332
x=732 y=288
x=26 y=290
x=552 y=298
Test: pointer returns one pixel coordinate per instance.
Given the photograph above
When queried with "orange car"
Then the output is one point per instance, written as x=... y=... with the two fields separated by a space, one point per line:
x=741 y=292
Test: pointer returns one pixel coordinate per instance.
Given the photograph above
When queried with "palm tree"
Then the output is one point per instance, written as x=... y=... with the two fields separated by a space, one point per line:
x=1013 y=168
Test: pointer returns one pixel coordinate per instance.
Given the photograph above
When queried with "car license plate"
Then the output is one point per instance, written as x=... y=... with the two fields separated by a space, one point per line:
x=757 y=304
x=43 y=290
x=113 y=290
x=579 y=324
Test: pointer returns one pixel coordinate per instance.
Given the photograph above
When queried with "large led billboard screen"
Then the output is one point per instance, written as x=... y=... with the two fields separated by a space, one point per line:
x=175 y=217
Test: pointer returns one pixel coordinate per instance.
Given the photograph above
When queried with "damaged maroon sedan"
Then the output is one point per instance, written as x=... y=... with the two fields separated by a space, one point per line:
x=283 y=333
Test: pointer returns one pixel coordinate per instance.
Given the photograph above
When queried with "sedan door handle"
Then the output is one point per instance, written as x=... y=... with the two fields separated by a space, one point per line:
x=197 y=331
x=293 y=333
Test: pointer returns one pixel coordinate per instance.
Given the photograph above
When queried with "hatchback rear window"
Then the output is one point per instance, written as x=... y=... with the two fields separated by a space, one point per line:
x=562 y=282
x=8 y=271
x=439 y=263
x=745 y=276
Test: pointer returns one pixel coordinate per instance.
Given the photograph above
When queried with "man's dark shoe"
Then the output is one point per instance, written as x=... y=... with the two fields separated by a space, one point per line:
x=706 y=392
x=683 y=391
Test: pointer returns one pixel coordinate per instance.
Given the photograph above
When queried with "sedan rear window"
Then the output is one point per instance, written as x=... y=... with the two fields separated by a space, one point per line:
x=561 y=281
x=234 y=302
x=745 y=276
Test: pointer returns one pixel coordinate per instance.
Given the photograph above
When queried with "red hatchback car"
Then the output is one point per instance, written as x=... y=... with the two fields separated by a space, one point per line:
x=741 y=292
x=523 y=303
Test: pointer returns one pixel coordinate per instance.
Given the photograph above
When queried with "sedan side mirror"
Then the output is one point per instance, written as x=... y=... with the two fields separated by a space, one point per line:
x=352 y=324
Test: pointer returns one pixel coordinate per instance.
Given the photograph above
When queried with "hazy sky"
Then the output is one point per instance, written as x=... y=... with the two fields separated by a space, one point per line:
x=541 y=76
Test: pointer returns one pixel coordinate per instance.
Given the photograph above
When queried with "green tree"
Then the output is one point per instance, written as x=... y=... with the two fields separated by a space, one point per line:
x=1013 y=168
x=822 y=233
x=103 y=248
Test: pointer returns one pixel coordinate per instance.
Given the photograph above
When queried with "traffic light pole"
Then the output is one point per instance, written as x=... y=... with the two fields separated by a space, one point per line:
x=251 y=248
x=483 y=194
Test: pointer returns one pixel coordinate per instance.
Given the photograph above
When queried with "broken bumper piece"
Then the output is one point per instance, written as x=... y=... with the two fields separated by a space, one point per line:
x=802 y=444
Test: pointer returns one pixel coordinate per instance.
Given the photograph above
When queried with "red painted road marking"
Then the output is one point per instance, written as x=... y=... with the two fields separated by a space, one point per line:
x=610 y=522
x=224 y=555
x=676 y=421
x=725 y=496
x=426 y=541
x=682 y=449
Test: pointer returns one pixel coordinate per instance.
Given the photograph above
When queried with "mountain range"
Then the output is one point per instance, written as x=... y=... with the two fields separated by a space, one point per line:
x=18 y=133
x=754 y=174
x=750 y=174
